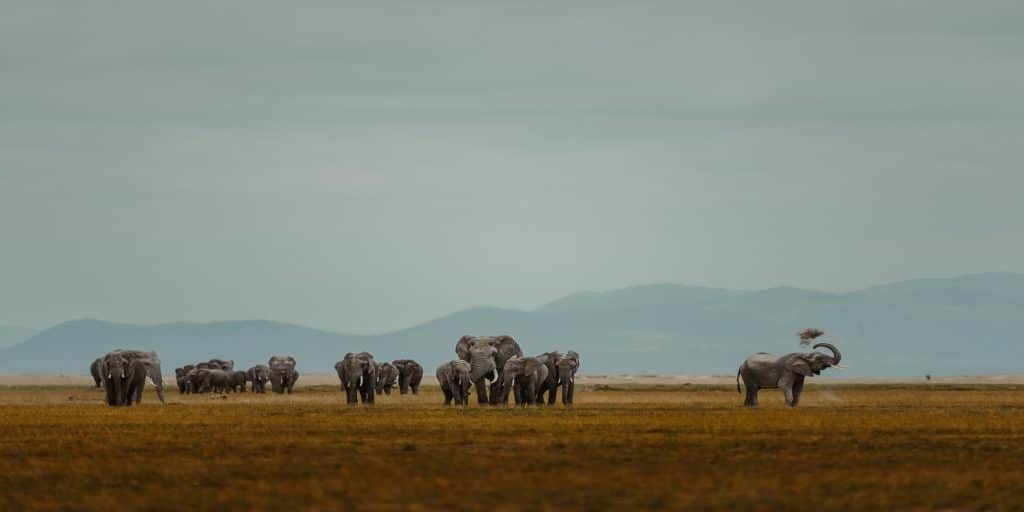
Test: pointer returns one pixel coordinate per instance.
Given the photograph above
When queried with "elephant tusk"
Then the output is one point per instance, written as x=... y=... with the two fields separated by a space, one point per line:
x=840 y=366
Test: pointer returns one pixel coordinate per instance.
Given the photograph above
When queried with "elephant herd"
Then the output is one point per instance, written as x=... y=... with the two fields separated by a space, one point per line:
x=493 y=365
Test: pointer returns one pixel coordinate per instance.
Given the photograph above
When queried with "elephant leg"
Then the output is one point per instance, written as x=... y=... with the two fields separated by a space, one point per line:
x=496 y=391
x=447 y=396
x=787 y=391
x=415 y=389
x=481 y=392
x=751 y=400
x=798 y=389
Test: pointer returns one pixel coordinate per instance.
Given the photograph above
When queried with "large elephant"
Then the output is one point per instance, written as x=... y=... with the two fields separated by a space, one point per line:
x=358 y=376
x=94 y=369
x=114 y=373
x=387 y=376
x=550 y=384
x=152 y=363
x=283 y=374
x=766 y=371
x=566 y=368
x=487 y=356
x=258 y=375
x=453 y=377
x=410 y=373
x=524 y=376
x=135 y=382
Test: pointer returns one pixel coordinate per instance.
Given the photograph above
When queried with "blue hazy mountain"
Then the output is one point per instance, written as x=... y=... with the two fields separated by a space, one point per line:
x=12 y=335
x=965 y=325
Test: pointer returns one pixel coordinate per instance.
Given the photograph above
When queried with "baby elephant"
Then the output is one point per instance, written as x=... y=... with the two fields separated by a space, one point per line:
x=765 y=371
x=454 y=379
x=387 y=376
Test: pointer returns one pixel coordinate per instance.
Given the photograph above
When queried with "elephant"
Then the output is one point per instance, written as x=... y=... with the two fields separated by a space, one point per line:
x=487 y=356
x=566 y=368
x=766 y=371
x=135 y=381
x=258 y=375
x=410 y=373
x=358 y=375
x=550 y=384
x=236 y=381
x=114 y=373
x=152 y=362
x=181 y=377
x=524 y=375
x=193 y=379
x=215 y=380
x=283 y=374
x=94 y=369
x=387 y=375
x=453 y=377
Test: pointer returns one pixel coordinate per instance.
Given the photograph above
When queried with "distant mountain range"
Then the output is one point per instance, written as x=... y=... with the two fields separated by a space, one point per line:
x=966 y=325
x=12 y=335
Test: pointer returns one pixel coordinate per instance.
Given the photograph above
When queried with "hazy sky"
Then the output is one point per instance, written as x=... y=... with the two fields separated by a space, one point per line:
x=369 y=166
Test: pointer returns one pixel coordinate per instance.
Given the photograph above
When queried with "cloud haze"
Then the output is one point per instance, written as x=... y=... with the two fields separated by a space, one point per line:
x=365 y=166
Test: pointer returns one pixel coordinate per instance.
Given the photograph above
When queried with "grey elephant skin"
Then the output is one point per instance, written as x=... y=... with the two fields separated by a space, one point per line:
x=259 y=375
x=94 y=370
x=487 y=356
x=453 y=377
x=566 y=368
x=152 y=363
x=181 y=377
x=787 y=372
x=114 y=373
x=283 y=374
x=358 y=376
x=550 y=384
x=387 y=377
x=215 y=380
x=135 y=382
x=236 y=382
x=523 y=376
x=410 y=373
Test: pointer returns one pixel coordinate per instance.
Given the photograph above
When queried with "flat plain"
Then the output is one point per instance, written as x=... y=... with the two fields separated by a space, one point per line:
x=847 y=447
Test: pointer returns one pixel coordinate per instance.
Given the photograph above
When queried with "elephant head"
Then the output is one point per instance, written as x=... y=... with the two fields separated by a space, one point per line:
x=258 y=375
x=282 y=373
x=487 y=356
x=812 y=363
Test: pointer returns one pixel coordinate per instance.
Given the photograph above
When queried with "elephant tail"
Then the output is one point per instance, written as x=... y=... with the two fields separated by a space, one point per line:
x=738 y=371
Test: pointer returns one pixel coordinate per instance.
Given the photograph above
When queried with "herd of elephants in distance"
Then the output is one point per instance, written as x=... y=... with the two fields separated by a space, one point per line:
x=497 y=360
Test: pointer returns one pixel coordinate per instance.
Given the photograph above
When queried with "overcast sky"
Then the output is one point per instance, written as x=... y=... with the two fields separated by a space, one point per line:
x=368 y=166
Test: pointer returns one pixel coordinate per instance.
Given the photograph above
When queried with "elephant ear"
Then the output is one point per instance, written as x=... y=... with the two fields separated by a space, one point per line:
x=799 y=365
x=462 y=347
x=533 y=365
x=507 y=349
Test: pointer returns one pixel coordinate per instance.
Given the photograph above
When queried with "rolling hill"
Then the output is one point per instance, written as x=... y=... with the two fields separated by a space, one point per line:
x=965 y=325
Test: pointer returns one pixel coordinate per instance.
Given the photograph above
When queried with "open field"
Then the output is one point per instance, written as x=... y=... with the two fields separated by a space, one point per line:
x=848 y=446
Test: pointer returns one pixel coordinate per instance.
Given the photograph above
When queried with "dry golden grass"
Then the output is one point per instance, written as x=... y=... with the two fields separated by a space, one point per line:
x=846 y=447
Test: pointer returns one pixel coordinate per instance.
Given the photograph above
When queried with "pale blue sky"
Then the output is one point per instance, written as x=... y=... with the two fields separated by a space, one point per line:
x=366 y=166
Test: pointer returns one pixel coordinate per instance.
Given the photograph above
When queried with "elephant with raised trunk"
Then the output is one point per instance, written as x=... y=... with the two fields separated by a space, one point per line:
x=387 y=376
x=766 y=371
x=152 y=364
x=358 y=376
x=487 y=356
x=524 y=376
x=410 y=373
x=283 y=374
x=453 y=377
x=94 y=369
x=259 y=375
x=566 y=368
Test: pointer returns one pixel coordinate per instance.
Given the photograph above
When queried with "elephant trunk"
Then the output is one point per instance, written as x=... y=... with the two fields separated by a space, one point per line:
x=836 y=355
x=481 y=365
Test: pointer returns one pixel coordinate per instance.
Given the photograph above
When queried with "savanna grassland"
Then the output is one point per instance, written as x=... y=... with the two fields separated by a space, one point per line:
x=846 y=447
